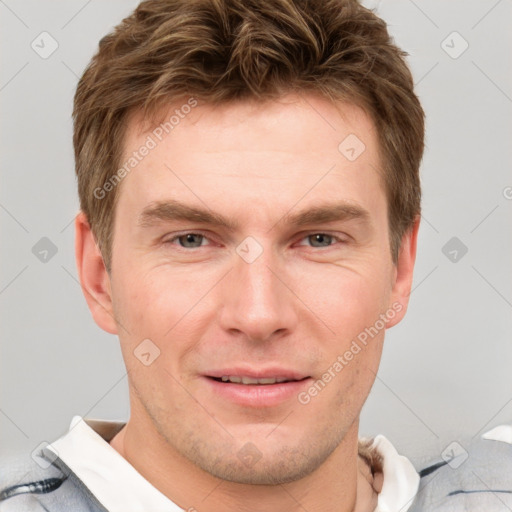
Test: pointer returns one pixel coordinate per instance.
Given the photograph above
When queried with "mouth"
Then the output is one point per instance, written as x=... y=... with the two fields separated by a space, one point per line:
x=256 y=389
x=251 y=381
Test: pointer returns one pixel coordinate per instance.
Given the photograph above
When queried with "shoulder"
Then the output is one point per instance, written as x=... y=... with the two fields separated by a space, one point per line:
x=37 y=484
x=475 y=475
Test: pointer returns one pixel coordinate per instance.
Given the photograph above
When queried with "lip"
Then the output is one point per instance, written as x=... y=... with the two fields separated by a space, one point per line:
x=260 y=373
x=256 y=395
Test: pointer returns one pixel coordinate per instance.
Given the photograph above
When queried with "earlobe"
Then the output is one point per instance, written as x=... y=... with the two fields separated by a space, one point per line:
x=404 y=273
x=93 y=275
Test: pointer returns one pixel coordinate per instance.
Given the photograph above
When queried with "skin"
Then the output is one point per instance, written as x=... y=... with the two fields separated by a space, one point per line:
x=299 y=305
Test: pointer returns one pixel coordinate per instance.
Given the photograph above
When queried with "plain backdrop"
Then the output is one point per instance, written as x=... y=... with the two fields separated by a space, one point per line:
x=446 y=370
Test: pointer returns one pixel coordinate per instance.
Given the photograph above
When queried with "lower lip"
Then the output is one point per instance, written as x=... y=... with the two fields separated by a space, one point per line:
x=257 y=395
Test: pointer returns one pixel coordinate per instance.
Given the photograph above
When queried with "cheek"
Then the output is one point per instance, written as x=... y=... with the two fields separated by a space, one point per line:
x=158 y=307
x=153 y=300
x=168 y=306
x=347 y=300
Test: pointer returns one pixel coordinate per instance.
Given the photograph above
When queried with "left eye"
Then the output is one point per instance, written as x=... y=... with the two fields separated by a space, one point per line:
x=320 y=240
x=190 y=240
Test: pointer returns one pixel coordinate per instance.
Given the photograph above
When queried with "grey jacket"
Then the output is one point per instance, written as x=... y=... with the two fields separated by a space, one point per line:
x=43 y=484
x=482 y=481
x=479 y=479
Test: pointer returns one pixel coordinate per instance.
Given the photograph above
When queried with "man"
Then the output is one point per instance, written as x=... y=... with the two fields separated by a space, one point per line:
x=248 y=175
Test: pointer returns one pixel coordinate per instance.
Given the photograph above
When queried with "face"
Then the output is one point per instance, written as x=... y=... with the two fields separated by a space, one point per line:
x=251 y=248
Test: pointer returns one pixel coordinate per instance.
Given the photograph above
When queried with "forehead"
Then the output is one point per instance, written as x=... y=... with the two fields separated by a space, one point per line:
x=292 y=121
x=256 y=152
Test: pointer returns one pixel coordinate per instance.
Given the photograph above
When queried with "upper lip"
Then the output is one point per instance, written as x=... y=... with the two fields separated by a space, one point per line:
x=260 y=373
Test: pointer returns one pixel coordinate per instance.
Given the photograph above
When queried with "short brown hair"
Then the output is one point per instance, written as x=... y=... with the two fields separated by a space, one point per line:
x=225 y=50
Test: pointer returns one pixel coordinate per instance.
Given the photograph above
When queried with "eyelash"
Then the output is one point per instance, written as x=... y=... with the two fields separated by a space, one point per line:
x=336 y=239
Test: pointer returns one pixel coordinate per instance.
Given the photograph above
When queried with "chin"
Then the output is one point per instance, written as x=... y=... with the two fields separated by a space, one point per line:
x=248 y=465
x=269 y=473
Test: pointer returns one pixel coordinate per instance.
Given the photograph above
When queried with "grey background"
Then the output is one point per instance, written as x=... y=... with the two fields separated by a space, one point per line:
x=446 y=370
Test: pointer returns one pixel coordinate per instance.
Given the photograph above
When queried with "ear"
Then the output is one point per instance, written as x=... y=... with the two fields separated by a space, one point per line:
x=404 y=267
x=93 y=275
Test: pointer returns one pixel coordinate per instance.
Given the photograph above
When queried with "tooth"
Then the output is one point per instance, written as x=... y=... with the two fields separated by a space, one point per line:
x=249 y=380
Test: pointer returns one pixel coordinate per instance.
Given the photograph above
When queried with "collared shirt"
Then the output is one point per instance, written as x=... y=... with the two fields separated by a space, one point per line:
x=119 y=487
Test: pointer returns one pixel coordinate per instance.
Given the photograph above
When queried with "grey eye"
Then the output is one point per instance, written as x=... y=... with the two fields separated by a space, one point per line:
x=191 y=240
x=320 y=240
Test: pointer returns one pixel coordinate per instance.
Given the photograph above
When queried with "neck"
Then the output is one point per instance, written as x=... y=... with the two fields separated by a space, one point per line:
x=341 y=484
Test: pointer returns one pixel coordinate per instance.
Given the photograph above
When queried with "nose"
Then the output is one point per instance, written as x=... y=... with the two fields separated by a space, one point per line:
x=257 y=302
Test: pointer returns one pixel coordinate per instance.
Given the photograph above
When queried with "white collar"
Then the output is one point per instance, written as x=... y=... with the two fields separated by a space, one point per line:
x=119 y=487
x=115 y=483
x=401 y=481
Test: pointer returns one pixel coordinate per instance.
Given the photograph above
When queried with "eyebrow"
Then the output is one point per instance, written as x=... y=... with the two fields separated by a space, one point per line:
x=172 y=210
